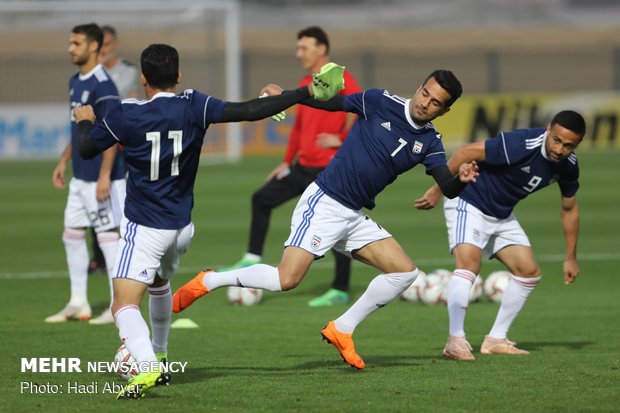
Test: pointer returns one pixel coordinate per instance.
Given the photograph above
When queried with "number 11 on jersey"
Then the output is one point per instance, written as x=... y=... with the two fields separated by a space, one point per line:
x=177 y=148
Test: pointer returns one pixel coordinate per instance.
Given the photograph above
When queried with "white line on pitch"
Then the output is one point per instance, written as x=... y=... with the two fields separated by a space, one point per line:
x=603 y=256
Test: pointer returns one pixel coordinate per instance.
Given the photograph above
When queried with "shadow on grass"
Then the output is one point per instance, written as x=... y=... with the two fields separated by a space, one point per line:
x=199 y=374
x=575 y=345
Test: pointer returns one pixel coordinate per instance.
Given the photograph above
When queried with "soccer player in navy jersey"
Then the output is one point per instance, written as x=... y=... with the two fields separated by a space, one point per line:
x=512 y=166
x=390 y=136
x=313 y=142
x=162 y=139
x=97 y=189
x=125 y=77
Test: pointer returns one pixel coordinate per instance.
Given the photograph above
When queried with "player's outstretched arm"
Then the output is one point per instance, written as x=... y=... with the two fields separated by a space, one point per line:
x=261 y=108
x=430 y=198
x=464 y=155
x=570 y=224
x=335 y=104
x=325 y=85
x=452 y=185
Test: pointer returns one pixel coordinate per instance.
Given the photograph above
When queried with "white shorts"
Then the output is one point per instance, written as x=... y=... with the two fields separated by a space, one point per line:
x=144 y=252
x=468 y=225
x=320 y=223
x=83 y=210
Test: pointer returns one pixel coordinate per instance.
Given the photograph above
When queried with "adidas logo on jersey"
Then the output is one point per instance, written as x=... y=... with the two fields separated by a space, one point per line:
x=526 y=169
x=387 y=125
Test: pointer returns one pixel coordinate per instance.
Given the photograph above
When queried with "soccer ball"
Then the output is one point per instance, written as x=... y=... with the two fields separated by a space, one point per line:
x=435 y=287
x=495 y=284
x=412 y=293
x=125 y=363
x=244 y=296
x=476 y=289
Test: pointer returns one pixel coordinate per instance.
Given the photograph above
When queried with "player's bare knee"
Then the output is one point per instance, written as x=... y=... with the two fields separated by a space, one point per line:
x=472 y=265
x=115 y=306
x=289 y=281
x=531 y=272
x=410 y=267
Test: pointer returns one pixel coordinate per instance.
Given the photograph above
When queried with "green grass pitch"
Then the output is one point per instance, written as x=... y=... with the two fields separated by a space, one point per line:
x=270 y=358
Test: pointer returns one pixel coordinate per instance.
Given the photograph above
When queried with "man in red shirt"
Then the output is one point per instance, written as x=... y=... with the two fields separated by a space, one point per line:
x=316 y=136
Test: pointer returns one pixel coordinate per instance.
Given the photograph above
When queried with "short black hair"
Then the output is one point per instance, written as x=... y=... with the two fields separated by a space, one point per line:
x=92 y=32
x=109 y=29
x=160 y=65
x=448 y=81
x=317 y=33
x=570 y=120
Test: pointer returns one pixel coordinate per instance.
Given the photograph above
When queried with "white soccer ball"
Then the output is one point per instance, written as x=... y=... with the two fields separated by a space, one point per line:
x=476 y=289
x=125 y=363
x=412 y=293
x=495 y=284
x=244 y=296
x=435 y=287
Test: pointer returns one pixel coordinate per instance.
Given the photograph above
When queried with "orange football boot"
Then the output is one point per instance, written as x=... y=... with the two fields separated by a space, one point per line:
x=189 y=292
x=344 y=344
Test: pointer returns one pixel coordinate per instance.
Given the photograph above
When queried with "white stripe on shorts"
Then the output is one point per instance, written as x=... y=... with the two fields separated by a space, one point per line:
x=125 y=259
x=461 y=221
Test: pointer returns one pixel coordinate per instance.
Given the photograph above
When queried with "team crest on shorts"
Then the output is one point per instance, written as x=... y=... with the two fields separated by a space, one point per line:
x=476 y=235
x=417 y=147
x=315 y=243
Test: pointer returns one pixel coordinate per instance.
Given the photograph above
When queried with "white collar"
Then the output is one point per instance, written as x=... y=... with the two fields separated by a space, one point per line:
x=408 y=116
x=543 y=147
x=89 y=74
x=162 y=95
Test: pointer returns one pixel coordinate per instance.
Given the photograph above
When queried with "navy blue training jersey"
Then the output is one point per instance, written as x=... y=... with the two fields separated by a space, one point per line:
x=97 y=89
x=162 y=138
x=383 y=143
x=516 y=165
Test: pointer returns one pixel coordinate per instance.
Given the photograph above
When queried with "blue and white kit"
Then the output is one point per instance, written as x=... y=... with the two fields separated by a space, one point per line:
x=515 y=166
x=383 y=143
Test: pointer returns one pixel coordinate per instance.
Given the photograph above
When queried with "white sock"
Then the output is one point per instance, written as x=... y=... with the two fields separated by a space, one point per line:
x=261 y=276
x=458 y=299
x=134 y=332
x=513 y=300
x=160 y=310
x=77 y=262
x=108 y=243
x=381 y=290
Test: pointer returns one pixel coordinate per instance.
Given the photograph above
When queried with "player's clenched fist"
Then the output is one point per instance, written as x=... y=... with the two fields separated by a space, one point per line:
x=84 y=113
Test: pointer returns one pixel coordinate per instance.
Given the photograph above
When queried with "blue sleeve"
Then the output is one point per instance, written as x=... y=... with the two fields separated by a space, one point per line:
x=435 y=155
x=569 y=180
x=109 y=131
x=506 y=149
x=205 y=109
x=364 y=103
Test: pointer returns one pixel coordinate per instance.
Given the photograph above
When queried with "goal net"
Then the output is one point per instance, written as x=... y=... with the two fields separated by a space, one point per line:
x=35 y=64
